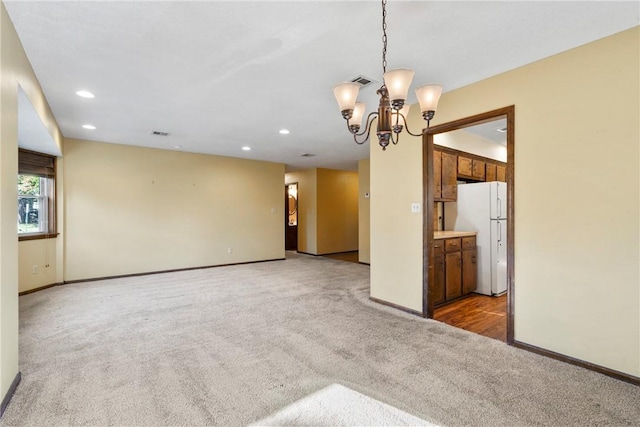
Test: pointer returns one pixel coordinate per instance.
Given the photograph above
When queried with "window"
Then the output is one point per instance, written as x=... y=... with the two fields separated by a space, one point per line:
x=36 y=195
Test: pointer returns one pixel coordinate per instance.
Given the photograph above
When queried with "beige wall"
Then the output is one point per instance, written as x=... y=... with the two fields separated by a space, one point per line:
x=15 y=71
x=396 y=232
x=577 y=127
x=364 y=229
x=307 y=209
x=135 y=210
x=40 y=253
x=337 y=211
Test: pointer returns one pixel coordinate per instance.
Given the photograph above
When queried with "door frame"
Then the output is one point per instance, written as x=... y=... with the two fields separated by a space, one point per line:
x=286 y=212
x=428 y=199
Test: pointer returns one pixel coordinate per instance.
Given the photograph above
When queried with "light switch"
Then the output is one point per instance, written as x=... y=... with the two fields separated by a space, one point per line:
x=415 y=207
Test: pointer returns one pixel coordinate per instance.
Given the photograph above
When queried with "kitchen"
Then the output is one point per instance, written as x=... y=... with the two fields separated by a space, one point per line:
x=470 y=215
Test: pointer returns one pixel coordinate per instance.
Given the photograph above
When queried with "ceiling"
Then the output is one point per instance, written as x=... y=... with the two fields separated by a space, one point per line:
x=489 y=130
x=222 y=75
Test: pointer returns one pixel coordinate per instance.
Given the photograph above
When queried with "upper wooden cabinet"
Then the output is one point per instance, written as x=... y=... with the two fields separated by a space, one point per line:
x=444 y=177
x=491 y=172
x=478 y=169
x=501 y=173
x=465 y=167
x=437 y=175
x=449 y=192
x=471 y=168
x=451 y=166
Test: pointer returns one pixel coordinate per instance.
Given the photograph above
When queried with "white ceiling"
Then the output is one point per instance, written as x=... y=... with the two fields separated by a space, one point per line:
x=222 y=75
x=490 y=131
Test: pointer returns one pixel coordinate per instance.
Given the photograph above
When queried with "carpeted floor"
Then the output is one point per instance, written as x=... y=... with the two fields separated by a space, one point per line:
x=233 y=345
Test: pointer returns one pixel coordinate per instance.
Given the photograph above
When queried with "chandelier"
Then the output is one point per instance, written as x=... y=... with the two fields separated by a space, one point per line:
x=392 y=113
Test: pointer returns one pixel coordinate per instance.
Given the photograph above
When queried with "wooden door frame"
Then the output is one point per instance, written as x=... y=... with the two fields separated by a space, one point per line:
x=428 y=199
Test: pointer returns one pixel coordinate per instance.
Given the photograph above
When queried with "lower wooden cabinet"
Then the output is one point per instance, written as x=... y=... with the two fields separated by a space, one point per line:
x=453 y=275
x=455 y=268
x=438 y=278
x=469 y=271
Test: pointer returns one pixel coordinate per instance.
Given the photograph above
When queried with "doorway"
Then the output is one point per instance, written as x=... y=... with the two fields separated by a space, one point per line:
x=291 y=216
x=474 y=311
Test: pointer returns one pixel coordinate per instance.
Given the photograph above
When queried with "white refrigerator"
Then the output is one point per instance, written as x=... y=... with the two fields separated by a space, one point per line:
x=482 y=207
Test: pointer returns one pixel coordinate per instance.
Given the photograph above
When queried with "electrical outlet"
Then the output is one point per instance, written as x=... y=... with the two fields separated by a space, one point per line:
x=229 y=250
x=274 y=210
x=35 y=269
x=415 y=207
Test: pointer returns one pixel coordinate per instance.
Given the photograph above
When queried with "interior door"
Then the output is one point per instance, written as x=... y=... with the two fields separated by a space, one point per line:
x=291 y=217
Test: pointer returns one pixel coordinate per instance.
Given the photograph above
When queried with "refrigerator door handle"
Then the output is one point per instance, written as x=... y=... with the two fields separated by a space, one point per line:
x=499 y=207
x=499 y=231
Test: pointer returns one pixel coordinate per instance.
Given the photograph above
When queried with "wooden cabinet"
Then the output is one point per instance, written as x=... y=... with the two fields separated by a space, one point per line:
x=448 y=181
x=469 y=271
x=501 y=173
x=453 y=275
x=491 y=172
x=478 y=169
x=455 y=268
x=437 y=175
x=465 y=167
x=451 y=166
x=438 y=272
x=445 y=187
x=469 y=265
x=471 y=168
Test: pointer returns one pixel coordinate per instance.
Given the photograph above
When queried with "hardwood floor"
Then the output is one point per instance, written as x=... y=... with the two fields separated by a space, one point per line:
x=345 y=256
x=481 y=314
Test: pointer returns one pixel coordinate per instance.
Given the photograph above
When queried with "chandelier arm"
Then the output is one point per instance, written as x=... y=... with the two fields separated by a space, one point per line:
x=406 y=126
x=366 y=128
x=396 y=140
x=355 y=139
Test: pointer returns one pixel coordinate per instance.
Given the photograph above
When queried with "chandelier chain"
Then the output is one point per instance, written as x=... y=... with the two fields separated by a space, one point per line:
x=384 y=36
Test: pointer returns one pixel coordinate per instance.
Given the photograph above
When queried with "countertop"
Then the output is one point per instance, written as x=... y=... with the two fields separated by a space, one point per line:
x=452 y=234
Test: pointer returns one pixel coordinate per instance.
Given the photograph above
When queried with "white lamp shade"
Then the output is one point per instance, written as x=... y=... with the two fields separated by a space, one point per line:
x=428 y=97
x=398 y=82
x=358 y=112
x=405 y=112
x=346 y=95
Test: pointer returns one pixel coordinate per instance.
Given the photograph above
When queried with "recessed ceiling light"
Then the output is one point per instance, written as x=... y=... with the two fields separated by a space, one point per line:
x=246 y=148
x=85 y=94
x=177 y=146
x=88 y=126
x=284 y=131
x=503 y=130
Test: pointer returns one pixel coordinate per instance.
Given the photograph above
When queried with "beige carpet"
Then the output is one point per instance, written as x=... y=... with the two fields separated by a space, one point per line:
x=233 y=345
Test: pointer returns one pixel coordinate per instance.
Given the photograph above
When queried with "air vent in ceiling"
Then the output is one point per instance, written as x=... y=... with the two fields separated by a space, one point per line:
x=159 y=133
x=308 y=155
x=363 y=81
